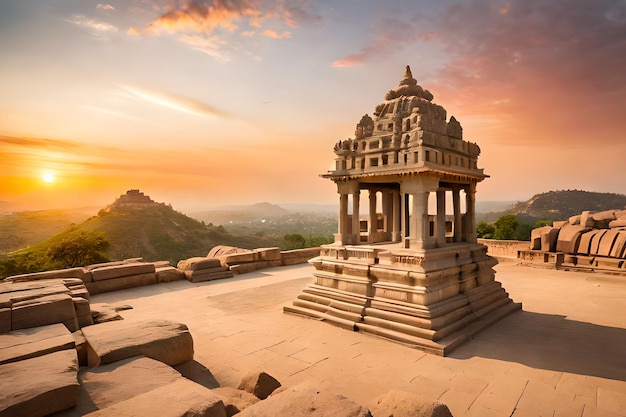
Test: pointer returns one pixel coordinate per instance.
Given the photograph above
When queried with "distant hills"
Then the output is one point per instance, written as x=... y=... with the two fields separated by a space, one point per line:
x=560 y=205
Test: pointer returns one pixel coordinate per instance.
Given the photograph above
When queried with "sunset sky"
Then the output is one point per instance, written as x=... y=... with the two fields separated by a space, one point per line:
x=208 y=103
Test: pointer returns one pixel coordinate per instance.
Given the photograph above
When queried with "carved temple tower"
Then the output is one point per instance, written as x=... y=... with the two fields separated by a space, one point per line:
x=397 y=269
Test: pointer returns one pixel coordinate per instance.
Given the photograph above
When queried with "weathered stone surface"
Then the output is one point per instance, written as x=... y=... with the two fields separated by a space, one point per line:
x=198 y=373
x=569 y=238
x=29 y=343
x=604 y=215
x=621 y=222
x=39 y=386
x=117 y=271
x=169 y=274
x=119 y=381
x=304 y=400
x=198 y=262
x=180 y=398
x=235 y=400
x=607 y=241
x=168 y=342
x=5 y=319
x=121 y=283
x=405 y=404
x=57 y=308
x=58 y=273
x=586 y=219
x=259 y=384
x=198 y=276
x=619 y=247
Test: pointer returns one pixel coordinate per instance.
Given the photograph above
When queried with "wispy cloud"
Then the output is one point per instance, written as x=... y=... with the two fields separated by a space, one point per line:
x=390 y=34
x=207 y=25
x=112 y=113
x=39 y=143
x=175 y=102
x=83 y=21
x=107 y=7
x=545 y=63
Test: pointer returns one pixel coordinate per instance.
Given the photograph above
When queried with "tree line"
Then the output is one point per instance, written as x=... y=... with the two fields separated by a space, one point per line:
x=508 y=227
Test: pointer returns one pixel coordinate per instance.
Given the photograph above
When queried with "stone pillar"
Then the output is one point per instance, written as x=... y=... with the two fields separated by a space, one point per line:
x=419 y=221
x=470 y=213
x=356 y=220
x=343 y=219
x=441 y=218
x=396 y=233
x=458 y=220
x=373 y=223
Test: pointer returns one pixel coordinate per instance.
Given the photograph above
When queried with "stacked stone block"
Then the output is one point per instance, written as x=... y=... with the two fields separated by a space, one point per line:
x=199 y=269
x=589 y=241
x=25 y=304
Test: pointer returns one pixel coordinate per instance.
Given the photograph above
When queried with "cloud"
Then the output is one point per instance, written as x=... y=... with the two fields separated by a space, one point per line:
x=553 y=67
x=391 y=34
x=81 y=20
x=39 y=143
x=175 y=102
x=207 y=25
x=106 y=7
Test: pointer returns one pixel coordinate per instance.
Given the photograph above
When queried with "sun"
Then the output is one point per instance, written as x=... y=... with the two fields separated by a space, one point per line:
x=48 y=177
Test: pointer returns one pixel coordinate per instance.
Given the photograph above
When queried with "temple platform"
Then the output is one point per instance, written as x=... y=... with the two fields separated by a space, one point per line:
x=430 y=299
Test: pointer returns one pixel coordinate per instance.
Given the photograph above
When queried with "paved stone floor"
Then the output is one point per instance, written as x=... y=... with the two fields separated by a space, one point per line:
x=563 y=355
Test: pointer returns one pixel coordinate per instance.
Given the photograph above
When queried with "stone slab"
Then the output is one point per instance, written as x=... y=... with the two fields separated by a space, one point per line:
x=57 y=308
x=5 y=320
x=305 y=400
x=121 y=283
x=117 y=271
x=401 y=403
x=122 y=380
x=180 y=398
x=29 y=343
x=165 y=341
x=39 y=386
x=57 y=273
x=235 y=400
x=260 y=384
x=195 y=277
x=169 y=274
x=198 y=262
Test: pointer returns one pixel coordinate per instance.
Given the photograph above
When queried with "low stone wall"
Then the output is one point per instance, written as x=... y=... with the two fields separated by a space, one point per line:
x=505 y=249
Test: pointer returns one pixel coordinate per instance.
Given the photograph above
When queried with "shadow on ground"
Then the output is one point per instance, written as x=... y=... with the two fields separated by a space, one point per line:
x=552 y=342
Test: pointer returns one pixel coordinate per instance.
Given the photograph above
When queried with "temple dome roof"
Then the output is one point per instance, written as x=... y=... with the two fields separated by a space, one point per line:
x=408 y=87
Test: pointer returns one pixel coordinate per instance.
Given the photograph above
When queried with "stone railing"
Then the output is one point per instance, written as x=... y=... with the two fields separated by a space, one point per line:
x=505 y=249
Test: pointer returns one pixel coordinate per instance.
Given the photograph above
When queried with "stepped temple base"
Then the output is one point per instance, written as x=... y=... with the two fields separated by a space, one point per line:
x=430 y=299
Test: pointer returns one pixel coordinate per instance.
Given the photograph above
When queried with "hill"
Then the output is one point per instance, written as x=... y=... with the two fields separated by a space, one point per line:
x=21 y=229
x=560 y=205
x=153 y=232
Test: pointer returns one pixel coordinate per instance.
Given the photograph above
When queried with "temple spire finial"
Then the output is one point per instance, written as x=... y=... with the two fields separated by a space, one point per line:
x=407 y=72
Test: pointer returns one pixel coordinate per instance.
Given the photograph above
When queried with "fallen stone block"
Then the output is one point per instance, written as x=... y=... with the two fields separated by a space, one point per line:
x=400 y=403
x=168 y=342
x=169 y=274
x=619 y=247
x=180 y=398
x=586 y=219
x=57 y=308
x=621 y=222
x=260 y=384
x=604 y=216
x=124 y=270
x=569 y=238
x=198 y=262
x=39 y=386
x=121 y=283
x=235 y=400
x=122 y=380
x=18 y=345
x=304 y=400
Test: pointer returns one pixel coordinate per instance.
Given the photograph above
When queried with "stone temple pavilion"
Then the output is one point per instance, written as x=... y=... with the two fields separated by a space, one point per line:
x=407 y=266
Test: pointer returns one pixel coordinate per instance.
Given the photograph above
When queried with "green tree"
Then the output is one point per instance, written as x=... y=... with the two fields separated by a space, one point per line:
x=79 y=249
x=505 y=227
x=522 y=232
x=484 y=230
x=541 y=223
x=294 y=241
